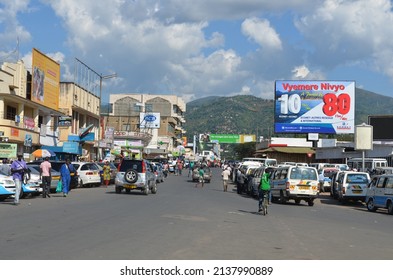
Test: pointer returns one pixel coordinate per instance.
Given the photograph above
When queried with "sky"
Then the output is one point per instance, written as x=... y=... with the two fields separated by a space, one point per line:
x=200 y=48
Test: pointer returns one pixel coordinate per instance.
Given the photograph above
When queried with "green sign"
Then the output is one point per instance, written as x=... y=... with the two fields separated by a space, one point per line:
x=8 y=150
x=225 y=138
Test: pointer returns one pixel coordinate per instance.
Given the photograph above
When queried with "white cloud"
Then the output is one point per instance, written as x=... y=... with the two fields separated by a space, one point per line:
x=303 y=73
x=11 y=31
x=351 y=32
x=261 y=32
x=172 y=46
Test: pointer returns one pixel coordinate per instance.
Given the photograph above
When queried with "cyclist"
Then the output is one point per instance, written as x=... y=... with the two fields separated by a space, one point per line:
x=201 y=179
x=263 y=192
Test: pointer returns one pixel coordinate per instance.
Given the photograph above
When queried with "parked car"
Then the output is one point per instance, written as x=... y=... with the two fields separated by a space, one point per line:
x=326 y=184
x=136 y=174
x=158 y=171
x=56 y=165
x=29 y=186
x=89 y=174
x=294 y=182
x=380 y=193
x=352 y=185
x=255 y=180
x=34 y=183
x=7 y=186
x=207 y=175
x=5 y=193
x=113 y=171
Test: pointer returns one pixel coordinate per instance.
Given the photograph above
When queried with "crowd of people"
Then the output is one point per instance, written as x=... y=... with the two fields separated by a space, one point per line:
x=19 y=171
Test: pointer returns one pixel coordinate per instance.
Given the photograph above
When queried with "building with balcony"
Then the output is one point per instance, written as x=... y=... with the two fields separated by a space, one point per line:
x=83 y=128
x=26 y=123
x=124 y=119
x=46 y=113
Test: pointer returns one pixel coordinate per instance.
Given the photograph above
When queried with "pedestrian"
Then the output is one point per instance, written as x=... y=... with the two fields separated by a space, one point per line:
x=264 y=187
x=240 y=181
x=201 y=178
x=176 y=168
x=225 y=177
x=65 y=174
x=106 y=173
x=190 y=168
x=46 y=177
x=180 y=166
x=18 y=170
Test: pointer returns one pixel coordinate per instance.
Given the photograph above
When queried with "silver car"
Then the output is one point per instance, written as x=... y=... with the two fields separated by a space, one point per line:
x=136 y=174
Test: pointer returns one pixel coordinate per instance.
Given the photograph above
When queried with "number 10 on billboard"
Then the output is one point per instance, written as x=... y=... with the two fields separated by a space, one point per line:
x=291 y=104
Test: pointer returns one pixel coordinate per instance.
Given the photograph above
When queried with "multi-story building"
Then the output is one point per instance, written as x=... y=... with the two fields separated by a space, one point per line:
x=82 y=131
x=26 y=121
x=124 y=118
x=38 y=111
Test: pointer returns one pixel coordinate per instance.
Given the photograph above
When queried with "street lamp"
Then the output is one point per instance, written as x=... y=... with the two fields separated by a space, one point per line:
x=99 y=111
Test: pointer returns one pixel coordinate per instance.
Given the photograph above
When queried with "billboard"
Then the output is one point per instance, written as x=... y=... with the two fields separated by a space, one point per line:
x=314 y=107
x=382 y=127
x=149 y=120
x=232 y=138
x=8 y=150
x=64 y=121
x=45 y=87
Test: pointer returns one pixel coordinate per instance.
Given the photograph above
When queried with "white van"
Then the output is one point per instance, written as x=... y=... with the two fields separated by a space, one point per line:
x=294 y=182
x=321 y=165
x=369 y=163
x=380 y=193
x=352 y=185
x=264 y=161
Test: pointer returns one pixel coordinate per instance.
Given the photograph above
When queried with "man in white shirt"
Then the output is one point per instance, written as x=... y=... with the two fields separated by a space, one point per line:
x=225 y=177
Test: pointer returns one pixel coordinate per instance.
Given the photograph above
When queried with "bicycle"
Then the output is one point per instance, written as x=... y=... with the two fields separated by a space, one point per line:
x=265 y=202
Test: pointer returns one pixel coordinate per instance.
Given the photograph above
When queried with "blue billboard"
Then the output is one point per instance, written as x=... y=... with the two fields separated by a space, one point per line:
x=314 y=107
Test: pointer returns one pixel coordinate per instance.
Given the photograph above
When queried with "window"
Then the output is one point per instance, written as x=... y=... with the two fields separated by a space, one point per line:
x=126 y=127
x=276 y=174
x=149 y=108
x=284 y=174
x=10 y=113
x=381 y=182
x=389 y=183
x=357 y=178
x=137 y=108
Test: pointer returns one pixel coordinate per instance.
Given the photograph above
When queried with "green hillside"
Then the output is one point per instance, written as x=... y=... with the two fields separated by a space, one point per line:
x=247 y=114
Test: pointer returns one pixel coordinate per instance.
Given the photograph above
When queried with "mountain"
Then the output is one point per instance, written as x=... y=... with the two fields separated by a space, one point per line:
x=247 y=114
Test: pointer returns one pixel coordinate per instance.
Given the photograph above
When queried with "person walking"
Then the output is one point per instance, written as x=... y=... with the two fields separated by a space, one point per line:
x=106 y=173
x=201 y=178
x=65 y=174
x=240 y=181
x=46 y=177
x=179 y=166
x=264 y=190
x=190 y=168
x=225 y=177
x=18 y=169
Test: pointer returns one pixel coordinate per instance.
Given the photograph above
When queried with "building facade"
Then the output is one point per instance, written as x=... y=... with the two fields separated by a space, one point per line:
x=124 y=118
x=25 y=125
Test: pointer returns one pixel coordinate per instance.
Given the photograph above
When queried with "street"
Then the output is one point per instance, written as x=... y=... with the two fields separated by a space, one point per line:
x=183 y=222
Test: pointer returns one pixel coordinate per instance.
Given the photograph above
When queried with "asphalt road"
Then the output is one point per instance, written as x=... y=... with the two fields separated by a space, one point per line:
x=182 y=222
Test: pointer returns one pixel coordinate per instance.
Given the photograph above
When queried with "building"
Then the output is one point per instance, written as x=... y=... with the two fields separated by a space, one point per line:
x=38 y=111
x=26 y=120
x=79 y=130
x=127 y=116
